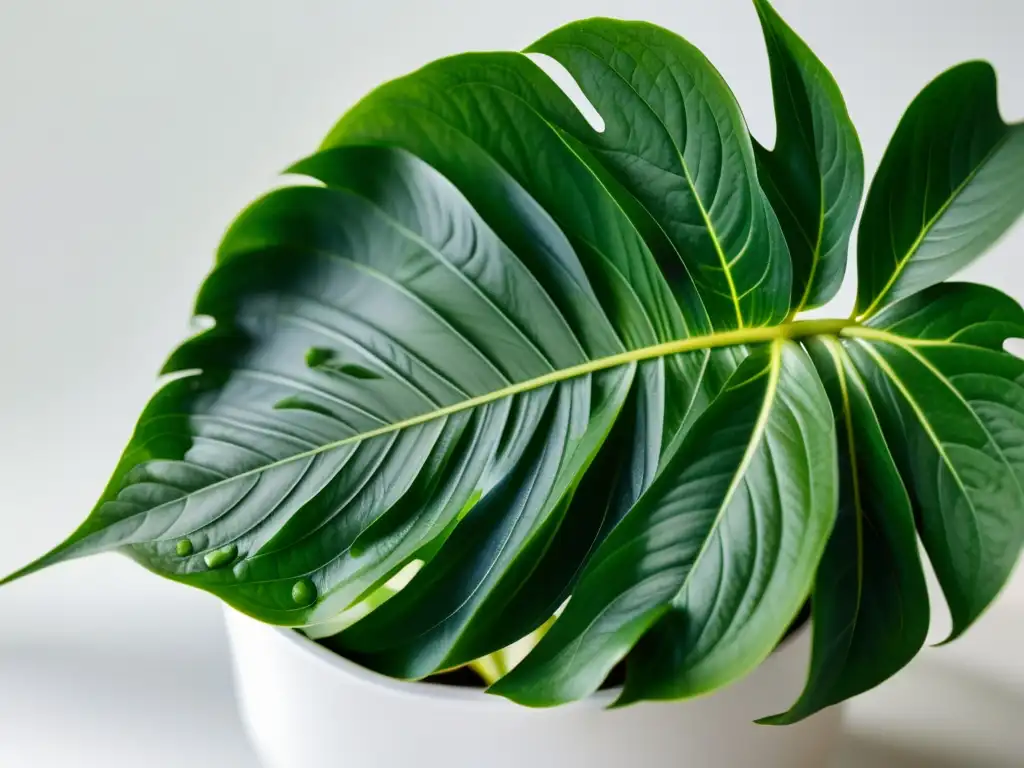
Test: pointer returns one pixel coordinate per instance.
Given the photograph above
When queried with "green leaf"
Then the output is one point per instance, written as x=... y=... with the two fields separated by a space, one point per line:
x=707 y=571
x=455 y=114
x=345 y=492
x=491 y=362
x=952 y=405
x=870 y=611
x=675 y=138
x=261 y=473
x=949 y=185
x=814 y=177
x=428 y=626
x=407 y=364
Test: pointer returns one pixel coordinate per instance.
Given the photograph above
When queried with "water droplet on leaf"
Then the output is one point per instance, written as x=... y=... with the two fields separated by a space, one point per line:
x=221 y=557
x=303 y=592
x=317 y=356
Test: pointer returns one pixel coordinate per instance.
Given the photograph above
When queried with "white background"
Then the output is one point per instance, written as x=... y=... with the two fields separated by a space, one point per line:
x=131 y=132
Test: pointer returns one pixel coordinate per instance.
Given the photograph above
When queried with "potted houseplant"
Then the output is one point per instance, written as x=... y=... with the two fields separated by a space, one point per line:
x=505 y=398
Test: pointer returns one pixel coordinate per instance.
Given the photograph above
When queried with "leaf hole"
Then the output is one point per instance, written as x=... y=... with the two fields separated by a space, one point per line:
x=170 y=376
x=560 y=76
x=288 y=179
x=1014 y=346
x=201 y=323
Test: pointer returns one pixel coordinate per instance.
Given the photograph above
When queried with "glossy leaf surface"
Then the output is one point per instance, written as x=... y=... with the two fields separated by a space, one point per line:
x=495 y=373
x=870 y=611
x=674 y=137
x=742 y=491
x=952 y=403
x=950 y=184
x=814 y=177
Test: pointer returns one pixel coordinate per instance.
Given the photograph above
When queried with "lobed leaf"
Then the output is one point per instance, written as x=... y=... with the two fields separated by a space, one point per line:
x=951 y=402
x=814 y=176
x=675 y=138
x=870 y=612
x=547 y=377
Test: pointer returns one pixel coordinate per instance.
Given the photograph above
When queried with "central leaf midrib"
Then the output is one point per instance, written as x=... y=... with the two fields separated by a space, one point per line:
x=737 y=337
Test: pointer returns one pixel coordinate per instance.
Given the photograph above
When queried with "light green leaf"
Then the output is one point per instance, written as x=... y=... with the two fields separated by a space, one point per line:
x=950 y=184
x=814 y=177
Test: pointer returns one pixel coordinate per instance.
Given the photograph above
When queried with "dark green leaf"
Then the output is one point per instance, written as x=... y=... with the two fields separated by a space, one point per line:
x=949 y=185
x=455 y=114
x=675 y=138
x=292 y=465
x=952 y=404
x=814 y=177
x=714 y=561
x=491 y=359
x=870 y=603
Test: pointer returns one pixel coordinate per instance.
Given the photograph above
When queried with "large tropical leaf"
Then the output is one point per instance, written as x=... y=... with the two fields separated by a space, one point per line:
x=949 y=185
x=814 y=177
x=420 y=358
x=380 y=361
x=493 y=373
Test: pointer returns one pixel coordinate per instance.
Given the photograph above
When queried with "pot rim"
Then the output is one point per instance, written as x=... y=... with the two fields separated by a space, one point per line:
x=417 y=689
x=337 y=663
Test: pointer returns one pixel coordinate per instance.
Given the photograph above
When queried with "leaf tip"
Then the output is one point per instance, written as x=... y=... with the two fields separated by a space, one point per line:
x=783 y=718
x=50 y=558
x=629 y=696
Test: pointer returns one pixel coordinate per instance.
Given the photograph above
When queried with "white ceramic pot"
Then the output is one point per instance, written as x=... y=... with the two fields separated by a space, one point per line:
x=305 y=707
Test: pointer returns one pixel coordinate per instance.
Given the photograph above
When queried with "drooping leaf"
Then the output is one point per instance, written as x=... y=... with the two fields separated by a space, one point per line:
x=297 y=488
x=456 y=114
x=398 y=272
x=708 y=569
x=952 y=405
x=429 y=625
x=870 y=611
x=949 y=185
x=814 y=177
